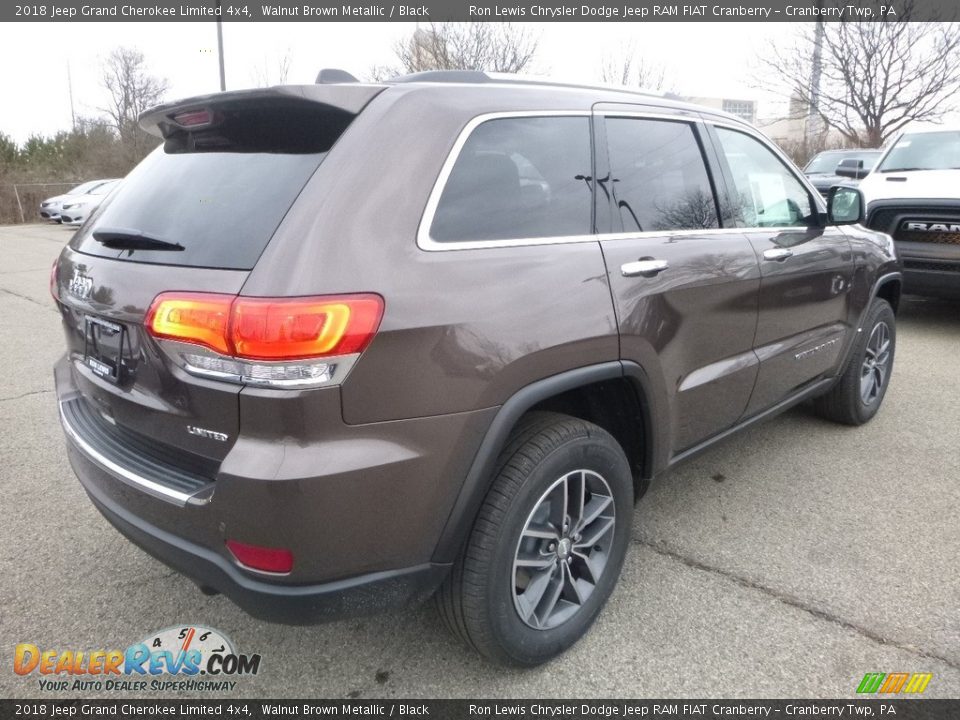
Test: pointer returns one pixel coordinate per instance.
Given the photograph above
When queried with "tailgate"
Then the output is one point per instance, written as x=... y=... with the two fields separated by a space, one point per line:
x=121 y=372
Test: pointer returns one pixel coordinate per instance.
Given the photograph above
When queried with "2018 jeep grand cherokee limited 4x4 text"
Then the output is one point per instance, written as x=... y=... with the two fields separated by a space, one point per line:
x=436 y=336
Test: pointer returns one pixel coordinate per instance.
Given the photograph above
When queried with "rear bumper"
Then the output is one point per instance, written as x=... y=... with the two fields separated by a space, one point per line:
x=360 y=507
x=290 y=604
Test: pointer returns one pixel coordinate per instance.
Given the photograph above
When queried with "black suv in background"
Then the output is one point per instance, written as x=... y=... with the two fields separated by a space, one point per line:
x=830 y=168
x=342 y=347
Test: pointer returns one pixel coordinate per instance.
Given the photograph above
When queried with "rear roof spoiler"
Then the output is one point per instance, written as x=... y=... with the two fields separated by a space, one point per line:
x=348 y=98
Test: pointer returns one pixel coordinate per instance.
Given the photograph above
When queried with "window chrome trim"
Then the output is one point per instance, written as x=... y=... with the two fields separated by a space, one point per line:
x=425 y=242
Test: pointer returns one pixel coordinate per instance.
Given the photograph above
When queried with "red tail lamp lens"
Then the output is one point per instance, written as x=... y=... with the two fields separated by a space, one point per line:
x=268 y=328
x=275 y=560
x=265 y=329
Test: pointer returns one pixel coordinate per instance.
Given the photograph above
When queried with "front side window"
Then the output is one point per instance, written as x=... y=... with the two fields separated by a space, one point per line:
x=519 y=178
x=766 y=193
x=659 y=178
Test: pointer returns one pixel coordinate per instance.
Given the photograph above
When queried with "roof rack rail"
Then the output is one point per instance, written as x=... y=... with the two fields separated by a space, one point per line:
x=334 y=76
x=442 y=76
x=481 y=76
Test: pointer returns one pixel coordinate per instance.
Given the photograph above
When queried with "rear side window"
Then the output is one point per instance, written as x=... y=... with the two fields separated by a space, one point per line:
x=518 y=178
x=660 y=181
x=215 y=197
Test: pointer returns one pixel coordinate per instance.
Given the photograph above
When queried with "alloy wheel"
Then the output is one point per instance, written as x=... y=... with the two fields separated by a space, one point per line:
x=563 y=549
x=876 y=363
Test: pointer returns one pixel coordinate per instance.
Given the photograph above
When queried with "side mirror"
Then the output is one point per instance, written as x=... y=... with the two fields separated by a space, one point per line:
x=845 y=205
x=851 y=168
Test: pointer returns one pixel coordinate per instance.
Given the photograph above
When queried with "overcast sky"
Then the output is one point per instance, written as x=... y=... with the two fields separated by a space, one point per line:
x=703 y=59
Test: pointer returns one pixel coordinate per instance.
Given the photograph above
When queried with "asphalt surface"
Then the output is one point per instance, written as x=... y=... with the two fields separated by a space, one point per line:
x=787 y=562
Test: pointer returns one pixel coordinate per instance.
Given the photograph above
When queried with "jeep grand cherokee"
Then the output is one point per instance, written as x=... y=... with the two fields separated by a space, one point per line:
x=342 y=347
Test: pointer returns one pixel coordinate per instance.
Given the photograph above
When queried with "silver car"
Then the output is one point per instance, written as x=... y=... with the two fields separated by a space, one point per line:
x=51 y=207
x=78 y=208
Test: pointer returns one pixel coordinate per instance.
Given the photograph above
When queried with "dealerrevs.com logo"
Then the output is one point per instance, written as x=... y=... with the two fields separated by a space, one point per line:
x=185 y=658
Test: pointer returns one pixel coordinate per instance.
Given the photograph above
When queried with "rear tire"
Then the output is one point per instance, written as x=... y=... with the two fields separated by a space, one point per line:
x=547 y=546
x=857 y=396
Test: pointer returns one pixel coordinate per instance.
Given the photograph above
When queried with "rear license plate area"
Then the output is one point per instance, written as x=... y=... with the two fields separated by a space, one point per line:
x=103 y=347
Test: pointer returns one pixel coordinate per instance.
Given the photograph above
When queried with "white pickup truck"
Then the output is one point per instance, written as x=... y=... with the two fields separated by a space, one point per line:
x=913 y=194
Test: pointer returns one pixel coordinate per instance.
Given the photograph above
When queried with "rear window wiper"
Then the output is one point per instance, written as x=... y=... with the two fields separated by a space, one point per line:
x=120 y=239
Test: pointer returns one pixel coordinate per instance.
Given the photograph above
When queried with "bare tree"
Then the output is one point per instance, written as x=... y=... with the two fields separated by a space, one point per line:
x=273 y=71
x=628 y=67
x=132 y=89
x=495 y=47
x=876 y=76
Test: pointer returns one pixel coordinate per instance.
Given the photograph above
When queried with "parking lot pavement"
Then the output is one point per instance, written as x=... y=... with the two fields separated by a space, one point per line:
x=787 y=562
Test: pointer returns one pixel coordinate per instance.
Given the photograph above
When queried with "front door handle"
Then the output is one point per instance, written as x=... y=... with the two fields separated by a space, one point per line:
x=645 y=267
x=777 y=254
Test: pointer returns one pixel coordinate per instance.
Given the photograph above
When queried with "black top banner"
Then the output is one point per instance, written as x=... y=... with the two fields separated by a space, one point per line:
x=479 y=10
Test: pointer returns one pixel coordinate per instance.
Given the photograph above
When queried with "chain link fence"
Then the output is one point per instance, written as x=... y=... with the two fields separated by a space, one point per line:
x=20 y=202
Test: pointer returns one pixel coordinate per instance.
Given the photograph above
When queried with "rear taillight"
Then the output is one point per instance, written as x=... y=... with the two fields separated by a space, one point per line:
x=285 y=342
x=267 y=329
x=199 y=318
x=53 y=281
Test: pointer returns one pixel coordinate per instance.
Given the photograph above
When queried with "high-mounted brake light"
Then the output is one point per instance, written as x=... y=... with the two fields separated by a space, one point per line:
x=193 y=118
x=285 y=342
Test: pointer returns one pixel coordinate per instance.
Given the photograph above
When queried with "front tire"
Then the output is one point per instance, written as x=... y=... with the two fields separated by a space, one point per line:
x=857 y=396
x=547 y=546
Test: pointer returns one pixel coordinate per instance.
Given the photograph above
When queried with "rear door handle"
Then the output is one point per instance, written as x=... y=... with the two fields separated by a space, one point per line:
x=777 y=254
x=646 y=267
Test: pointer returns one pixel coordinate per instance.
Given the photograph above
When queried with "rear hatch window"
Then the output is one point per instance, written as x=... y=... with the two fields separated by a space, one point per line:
x=212 y=196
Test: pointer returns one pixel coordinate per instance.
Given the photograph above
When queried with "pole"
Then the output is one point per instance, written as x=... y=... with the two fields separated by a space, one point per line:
x=223 y=75
x=19 y=204
x=816 y=70
x=73 y=116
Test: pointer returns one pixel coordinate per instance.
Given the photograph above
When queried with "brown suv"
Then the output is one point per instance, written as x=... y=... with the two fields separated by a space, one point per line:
x=341 y=347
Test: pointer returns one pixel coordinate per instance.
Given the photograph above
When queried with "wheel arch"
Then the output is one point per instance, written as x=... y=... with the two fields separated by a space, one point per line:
x=889 y=287
x=581 y=393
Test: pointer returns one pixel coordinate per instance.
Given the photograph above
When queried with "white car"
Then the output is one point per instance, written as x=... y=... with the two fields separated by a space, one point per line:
x=79 y=207
x=913 y=194
x=51 y=207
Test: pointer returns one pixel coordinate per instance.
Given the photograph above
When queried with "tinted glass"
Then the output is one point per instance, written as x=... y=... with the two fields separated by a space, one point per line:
x=924 y=151
x=660 y=181
x=215 y=194
x=824 y=163
x=104 y=189
x=518 y=178
x=86 y=187
x=222 y=208
x=766 y=193
x=869 y=160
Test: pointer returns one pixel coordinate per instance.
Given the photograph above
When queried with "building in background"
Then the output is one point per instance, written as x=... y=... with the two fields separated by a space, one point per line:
x=743 y=109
